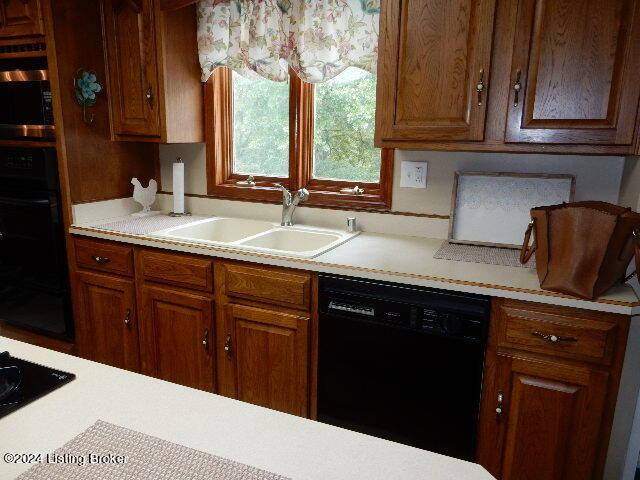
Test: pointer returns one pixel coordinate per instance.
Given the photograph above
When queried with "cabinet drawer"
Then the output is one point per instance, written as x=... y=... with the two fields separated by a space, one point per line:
x=175 y=269
x=104 y=256
x=267 y=285
x=558 y=331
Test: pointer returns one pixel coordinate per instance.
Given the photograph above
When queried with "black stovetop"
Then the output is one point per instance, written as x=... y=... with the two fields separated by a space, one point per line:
x=22 y=382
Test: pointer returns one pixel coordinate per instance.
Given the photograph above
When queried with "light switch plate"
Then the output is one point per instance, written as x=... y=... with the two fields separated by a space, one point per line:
x=413 y=174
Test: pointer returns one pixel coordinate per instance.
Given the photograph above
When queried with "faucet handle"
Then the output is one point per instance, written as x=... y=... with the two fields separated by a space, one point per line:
x=286 y=194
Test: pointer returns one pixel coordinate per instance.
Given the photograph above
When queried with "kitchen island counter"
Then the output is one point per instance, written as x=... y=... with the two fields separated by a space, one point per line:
x=274 y=441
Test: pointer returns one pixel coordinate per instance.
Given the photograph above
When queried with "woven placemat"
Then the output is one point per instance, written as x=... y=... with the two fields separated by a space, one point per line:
x=507 y=257
x=147 y=458
x=146 y=225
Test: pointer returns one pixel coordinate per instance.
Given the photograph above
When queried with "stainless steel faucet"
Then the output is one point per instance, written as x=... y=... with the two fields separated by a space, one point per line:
x=290 y=202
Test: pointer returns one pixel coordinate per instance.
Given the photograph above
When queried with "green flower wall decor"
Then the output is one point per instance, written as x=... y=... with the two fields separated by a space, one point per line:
x=86 y=87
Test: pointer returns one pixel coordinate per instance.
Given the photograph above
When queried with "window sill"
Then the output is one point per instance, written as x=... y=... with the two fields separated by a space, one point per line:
x=317 y=198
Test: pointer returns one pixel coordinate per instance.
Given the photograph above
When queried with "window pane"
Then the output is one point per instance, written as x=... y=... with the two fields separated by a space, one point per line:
x=260 y=127
x=344 y=127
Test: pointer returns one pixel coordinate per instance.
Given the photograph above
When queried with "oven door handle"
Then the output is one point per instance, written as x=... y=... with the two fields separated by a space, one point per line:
x=36 y=202
x=10 y=76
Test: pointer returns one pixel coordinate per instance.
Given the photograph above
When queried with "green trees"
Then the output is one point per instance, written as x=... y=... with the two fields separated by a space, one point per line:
x=260 y=126
x=344 y=127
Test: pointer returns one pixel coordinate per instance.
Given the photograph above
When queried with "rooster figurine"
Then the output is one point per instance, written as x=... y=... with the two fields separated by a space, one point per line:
x=144 y=196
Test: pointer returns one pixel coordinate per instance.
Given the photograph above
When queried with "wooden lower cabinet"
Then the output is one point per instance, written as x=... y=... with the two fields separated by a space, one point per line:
x=550 y=384
x=551 y=419
x=176 y=336
x=107 y=327
x=265 y=358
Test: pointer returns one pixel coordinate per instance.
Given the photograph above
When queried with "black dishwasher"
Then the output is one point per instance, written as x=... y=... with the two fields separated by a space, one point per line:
x=402 y=363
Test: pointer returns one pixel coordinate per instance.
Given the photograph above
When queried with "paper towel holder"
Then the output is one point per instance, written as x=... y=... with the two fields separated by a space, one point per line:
x=175 y=214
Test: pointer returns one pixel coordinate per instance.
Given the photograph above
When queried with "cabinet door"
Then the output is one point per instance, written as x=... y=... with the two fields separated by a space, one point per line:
x=576 y=64
x=20 y=18
x=132 y=68
x=266 y=355
x=550 y=422
x=107 y=327
x=176 y=337
x=433 y=56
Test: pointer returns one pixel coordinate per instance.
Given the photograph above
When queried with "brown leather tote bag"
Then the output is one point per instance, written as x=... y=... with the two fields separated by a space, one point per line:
x=582 y=248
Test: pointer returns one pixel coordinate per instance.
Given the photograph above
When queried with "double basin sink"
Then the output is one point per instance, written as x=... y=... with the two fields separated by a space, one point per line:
x=259 y=236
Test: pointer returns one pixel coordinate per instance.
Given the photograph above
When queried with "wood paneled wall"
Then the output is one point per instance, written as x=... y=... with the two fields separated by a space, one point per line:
x=97 y=168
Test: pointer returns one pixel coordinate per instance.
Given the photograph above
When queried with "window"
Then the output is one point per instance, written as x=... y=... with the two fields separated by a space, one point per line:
x=344 y=124
x=299 y=135
x=260 y=127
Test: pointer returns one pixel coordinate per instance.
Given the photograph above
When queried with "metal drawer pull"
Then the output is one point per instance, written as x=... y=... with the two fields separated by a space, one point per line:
x=480 y=86
x=127 y=317
x=499 y=405
x=553 y=338
x=101 y=260
x=205 y=339
x=227 y=345
x=516 y=89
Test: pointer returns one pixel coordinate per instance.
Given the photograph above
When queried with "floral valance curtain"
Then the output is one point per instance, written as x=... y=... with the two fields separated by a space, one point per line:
x=317 y=38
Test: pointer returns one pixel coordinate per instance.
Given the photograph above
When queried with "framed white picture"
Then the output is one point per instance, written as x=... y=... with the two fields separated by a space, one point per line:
x=494 y=208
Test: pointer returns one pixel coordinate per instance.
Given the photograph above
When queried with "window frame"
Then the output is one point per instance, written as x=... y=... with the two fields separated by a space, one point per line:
x=222 y=182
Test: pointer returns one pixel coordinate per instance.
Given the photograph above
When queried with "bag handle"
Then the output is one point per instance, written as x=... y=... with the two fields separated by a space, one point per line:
x=528 y=250
x=636 y=236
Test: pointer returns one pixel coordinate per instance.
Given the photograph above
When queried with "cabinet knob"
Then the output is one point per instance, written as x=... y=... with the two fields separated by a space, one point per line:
x=205 y=340
x=499 y=405
x=227 y=345
x=127 y=317
x=480 y=86
x=101 y=260
x=149 y=95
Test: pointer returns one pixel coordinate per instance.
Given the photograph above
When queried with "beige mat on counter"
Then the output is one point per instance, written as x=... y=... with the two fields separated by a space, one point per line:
x=147 y=458
x=146 y=225
x=508 y=257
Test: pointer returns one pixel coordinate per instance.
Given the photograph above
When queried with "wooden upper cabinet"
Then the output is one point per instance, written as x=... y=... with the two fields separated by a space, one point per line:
x=550 y=424
x=107 y=327
x=433 y=56
x=133 y=78
x=265 y=358
x=153 y=74
x=20 y=18
x=577 y=64
x=176 y=337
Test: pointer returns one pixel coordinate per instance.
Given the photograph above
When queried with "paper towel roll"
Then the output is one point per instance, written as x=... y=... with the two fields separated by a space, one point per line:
x=178 y=187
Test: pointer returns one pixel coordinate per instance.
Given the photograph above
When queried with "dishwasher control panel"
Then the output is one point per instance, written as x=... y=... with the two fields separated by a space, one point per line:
x=344 y=307
x=451 y=323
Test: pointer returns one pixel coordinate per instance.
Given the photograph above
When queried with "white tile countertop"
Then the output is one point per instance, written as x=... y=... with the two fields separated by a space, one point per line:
x=394 y=258
x=256 y=436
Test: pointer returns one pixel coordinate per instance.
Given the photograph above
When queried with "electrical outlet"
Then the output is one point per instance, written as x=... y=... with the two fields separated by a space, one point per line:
x=413 y=174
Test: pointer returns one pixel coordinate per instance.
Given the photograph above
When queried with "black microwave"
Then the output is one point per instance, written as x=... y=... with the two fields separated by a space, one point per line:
x=25 y=97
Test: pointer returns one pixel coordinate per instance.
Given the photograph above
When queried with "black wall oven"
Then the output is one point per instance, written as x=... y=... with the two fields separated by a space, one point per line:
x=25 y=99
x=34 y=285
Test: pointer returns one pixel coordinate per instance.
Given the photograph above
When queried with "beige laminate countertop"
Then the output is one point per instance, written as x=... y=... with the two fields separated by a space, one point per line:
x=292 y=446
x=396 y=258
